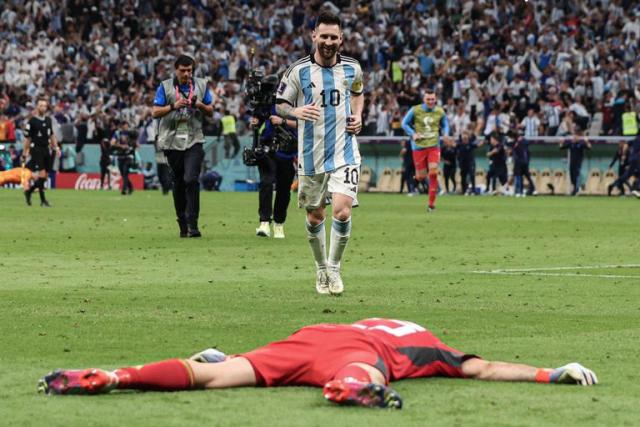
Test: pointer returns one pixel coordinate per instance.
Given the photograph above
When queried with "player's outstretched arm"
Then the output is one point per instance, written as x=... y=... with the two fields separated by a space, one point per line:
x=573 y=373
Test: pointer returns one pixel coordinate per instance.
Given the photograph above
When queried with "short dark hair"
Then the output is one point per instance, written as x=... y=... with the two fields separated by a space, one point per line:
x=429 y=91
x=42 y=98
x=328 y=18
x=185 y=61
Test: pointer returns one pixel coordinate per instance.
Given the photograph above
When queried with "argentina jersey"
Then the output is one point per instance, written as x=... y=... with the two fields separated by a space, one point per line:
x=323 y=145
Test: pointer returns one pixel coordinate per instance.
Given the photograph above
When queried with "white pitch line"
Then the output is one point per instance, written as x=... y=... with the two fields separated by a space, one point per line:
x=533 y=273
x=580 y=267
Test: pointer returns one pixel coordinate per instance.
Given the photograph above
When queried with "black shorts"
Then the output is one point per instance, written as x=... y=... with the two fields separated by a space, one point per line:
x=40 y=159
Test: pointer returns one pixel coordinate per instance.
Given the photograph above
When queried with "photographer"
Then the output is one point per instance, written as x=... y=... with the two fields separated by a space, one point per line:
x=276 y=153
x=181 y=104
x=124 y=145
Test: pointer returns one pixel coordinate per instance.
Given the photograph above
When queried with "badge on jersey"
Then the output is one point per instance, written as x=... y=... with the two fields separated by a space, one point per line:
x=281 y=88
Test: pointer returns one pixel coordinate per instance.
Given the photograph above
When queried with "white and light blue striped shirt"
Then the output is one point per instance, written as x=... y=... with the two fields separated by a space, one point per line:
x=323 y=145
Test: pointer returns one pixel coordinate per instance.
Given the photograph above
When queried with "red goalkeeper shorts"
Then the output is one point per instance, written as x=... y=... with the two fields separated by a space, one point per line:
x=312 y=356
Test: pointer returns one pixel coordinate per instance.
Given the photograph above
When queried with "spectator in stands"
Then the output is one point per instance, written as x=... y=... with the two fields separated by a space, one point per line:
x=581 y=56
x=531 y=124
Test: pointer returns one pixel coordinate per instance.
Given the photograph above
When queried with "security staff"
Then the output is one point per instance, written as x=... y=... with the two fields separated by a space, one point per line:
x=276 y=166
x=39 y=139
x=181 y=104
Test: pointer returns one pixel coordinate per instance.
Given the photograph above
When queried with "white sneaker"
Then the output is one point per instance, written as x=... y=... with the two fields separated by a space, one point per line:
x=264 y=230
x=636 y=193
x=322 y=284
x=278 y=231
x=336 y=287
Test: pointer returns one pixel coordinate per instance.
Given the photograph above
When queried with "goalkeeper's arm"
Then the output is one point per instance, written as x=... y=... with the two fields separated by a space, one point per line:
x=573 y=373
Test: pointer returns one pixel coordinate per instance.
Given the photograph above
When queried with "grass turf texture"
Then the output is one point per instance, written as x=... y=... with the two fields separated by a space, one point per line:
x=102 y=280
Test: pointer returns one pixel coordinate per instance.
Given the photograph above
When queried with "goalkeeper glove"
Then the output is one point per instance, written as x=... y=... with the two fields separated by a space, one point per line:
x=573 y=373
x=210 y=355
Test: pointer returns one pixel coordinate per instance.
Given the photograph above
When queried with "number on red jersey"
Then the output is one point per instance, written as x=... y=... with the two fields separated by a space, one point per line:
x=397 y=328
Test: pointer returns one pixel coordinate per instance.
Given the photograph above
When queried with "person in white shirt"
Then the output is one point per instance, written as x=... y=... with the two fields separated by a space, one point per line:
x=530 y=124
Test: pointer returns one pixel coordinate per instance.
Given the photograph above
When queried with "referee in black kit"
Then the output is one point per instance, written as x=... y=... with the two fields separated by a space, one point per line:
x=181 y=104
x=39 y=140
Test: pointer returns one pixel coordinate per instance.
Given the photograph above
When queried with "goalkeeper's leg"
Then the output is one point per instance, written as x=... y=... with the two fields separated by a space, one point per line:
x=167 y=375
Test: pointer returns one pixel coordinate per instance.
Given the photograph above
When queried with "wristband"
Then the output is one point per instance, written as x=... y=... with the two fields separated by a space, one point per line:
x=171 y=107
x=543 y=376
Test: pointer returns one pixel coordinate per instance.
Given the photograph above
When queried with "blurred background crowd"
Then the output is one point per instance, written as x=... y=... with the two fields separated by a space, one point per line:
x=538 y=67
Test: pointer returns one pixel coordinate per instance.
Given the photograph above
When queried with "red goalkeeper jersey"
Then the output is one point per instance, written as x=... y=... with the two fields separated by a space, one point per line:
x=314 y=354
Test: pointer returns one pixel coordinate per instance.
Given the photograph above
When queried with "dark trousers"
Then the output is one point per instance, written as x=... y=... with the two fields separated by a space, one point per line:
x=124 y=163
x=104 y=173
x=231 y=142
x=520 y=170
x=274 y=170
x=632 y=169
x=468 y=176
x=164 y=176
x=499 y=172
x=185 y=172
x=449 y=173
x=574 y=175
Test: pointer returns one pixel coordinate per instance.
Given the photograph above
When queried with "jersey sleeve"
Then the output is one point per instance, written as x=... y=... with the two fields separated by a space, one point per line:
x=207 y=97
x=27 y=129
x=161 y=100
x=357 y=86
x=407 y=123
x=289 y=87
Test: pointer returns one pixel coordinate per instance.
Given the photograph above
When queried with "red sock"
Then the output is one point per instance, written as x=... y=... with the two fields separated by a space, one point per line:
x=173 y=374
x=433 y=189
x=353 y=372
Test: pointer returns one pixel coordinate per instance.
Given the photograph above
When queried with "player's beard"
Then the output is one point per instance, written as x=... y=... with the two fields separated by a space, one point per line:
x=327 y=52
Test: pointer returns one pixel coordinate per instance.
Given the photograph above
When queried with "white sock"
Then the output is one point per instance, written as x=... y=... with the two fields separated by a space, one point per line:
x=318 y=242
x=340 y=232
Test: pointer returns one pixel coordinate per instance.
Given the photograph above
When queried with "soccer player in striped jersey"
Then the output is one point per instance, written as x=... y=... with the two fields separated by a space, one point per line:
x=424 y=124
x=324 y=92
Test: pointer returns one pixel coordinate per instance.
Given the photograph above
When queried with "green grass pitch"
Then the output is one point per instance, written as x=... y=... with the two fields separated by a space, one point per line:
x=102 y=280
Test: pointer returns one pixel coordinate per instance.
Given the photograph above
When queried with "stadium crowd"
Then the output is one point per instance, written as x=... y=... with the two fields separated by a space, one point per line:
x=540 y=68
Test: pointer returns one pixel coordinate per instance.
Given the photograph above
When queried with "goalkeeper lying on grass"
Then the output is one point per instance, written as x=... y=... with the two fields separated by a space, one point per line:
x=354 y=363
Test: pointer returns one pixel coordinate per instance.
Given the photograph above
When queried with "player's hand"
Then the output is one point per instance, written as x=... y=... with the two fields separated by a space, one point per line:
x=310 y=112
x=573 y=373
x=210 y=355
x=354 y=124
x=416 y=136
x=58 y=152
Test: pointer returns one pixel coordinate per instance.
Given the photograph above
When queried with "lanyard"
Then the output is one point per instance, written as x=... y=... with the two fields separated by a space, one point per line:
x=189 y=97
